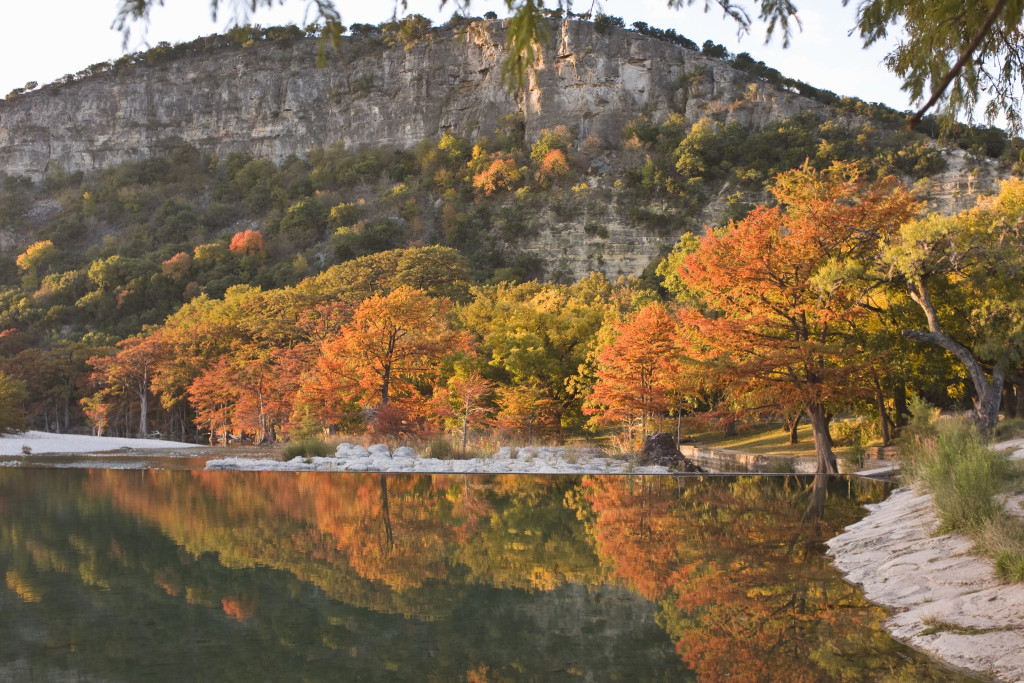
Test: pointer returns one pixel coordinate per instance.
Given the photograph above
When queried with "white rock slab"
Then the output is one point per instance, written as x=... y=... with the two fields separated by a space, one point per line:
x=45 y=442
x=894 y=557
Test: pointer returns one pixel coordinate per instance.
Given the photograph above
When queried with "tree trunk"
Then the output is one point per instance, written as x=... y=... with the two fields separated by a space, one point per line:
x=793 y=427
x=988 y=393
x=822 y=442
x=384 y=385
x=883 y=416
x=143 y=413
x=899 y=408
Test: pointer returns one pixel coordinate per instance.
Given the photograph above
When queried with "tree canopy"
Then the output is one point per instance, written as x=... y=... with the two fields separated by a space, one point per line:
x=782 y=295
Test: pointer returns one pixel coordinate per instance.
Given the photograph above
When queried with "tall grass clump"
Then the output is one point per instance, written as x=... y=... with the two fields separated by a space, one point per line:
x=1009 y=428
x=963 y=474
x=1003 y=540
x=307 y=448
x=441 y=448
x=951 y=459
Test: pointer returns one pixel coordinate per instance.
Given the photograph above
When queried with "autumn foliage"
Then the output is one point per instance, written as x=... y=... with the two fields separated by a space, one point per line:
x=390 y=351
x=501 y=174
x=782 y=293
x=768 y=319
x=248 y=243
x=637 y=371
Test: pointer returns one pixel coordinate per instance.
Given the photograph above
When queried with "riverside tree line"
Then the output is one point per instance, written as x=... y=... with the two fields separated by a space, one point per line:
x=840 y=297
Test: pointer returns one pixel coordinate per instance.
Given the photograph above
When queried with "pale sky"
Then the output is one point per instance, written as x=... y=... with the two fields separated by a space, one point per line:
x=43 y=40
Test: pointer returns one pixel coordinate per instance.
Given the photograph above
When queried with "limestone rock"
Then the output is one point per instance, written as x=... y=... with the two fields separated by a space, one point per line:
x=660 y=449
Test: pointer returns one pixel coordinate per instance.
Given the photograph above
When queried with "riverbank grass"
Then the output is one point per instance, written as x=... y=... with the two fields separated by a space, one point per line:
x=967 y=480
x=307 y=449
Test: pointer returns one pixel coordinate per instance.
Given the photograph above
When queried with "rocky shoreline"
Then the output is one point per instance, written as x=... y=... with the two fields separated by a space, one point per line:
x=944 y=600
x=379 y=458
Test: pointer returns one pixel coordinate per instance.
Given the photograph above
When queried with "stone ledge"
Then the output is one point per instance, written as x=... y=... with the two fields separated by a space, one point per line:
x=931 y=580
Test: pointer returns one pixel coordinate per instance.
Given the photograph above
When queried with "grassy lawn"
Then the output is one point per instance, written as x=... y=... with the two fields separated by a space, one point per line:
x=766 y=440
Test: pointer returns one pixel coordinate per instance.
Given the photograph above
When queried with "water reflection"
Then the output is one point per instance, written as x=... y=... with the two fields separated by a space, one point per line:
x=270 y=576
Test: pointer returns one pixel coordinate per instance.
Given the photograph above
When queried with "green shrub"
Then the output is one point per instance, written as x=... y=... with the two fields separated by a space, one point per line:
x=962 y=473
x=919 y=431
x=307 y=448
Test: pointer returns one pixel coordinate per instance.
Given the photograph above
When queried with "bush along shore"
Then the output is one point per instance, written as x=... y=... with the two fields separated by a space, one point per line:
x=947 y=556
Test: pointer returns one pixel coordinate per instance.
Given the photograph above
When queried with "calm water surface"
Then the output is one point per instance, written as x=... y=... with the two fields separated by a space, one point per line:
x=114 y=575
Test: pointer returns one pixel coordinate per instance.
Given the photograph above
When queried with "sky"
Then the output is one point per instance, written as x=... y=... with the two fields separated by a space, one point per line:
x=44 y=40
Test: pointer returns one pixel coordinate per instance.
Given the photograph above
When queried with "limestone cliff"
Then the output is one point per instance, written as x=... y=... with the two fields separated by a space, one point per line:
x=270 y=99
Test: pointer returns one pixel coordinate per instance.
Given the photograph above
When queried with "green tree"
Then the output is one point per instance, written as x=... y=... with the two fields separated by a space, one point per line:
x=32 y=260
x=539 y=335
x=12 y=396
x=966 y=273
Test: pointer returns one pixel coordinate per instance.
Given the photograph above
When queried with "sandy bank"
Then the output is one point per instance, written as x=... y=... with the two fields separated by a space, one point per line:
x=945 y=601
x=44 y=442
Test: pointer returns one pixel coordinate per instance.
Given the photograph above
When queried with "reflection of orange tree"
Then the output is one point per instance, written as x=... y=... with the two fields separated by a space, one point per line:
x=637 y=533
x=741 y=586
x=344 y=535
x=397 y=530
x=342 y=531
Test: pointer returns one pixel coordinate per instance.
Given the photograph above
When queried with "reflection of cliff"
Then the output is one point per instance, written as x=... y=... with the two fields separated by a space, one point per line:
x=740 y=579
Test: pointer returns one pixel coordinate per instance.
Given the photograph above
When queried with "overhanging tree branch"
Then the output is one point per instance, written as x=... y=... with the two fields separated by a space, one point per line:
x=965 y=56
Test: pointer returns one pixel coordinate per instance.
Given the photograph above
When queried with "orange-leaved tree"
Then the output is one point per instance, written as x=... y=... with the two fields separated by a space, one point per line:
x=782 y=290
x=636 y=372
x=463 y=402
x=131 y=370
x=393 y=345
x=247 y=243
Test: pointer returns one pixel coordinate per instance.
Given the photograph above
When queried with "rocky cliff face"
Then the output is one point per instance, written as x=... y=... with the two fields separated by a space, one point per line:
x=272 y=101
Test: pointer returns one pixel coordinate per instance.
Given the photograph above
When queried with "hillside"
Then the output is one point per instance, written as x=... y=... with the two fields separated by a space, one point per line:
x=278 y=103
x=228 y=199
x=660 y=138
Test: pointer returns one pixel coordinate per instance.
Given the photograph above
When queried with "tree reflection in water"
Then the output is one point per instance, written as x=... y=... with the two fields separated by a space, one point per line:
x=191 y=574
